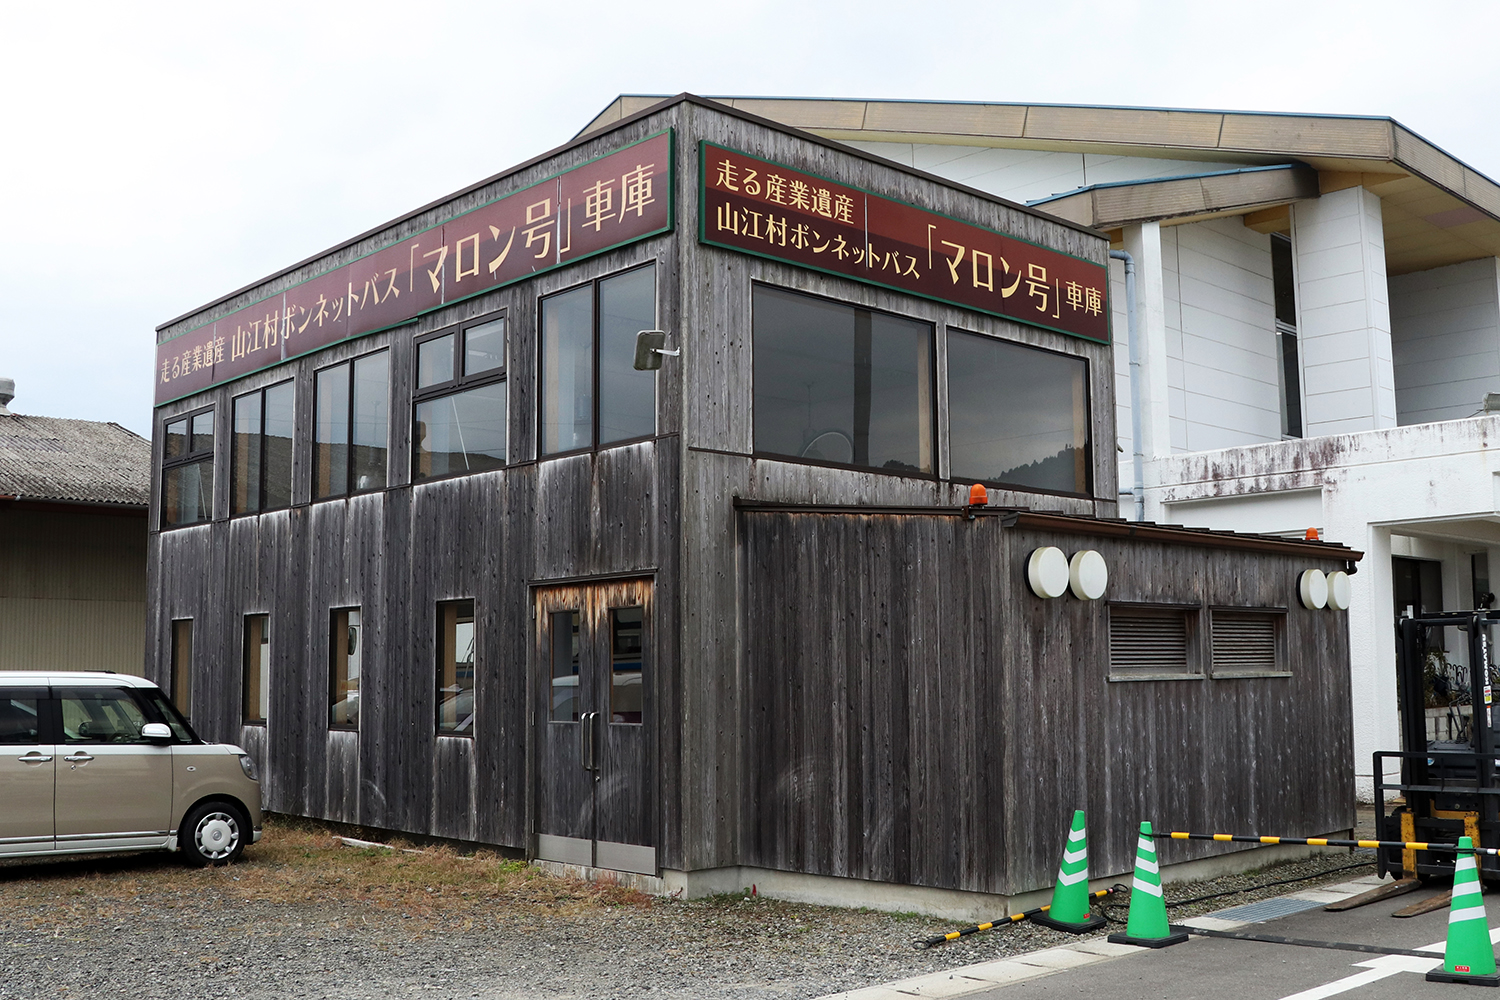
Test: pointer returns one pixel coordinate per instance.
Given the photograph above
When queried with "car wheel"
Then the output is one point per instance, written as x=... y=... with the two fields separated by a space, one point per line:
x=213 y=833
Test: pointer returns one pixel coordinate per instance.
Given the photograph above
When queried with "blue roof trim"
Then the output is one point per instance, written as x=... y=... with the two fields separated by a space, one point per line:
x=1163 y=180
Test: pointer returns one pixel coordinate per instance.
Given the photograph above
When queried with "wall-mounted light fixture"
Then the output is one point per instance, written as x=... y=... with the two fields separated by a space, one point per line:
x=1312 y=588
x=1047 y=572
x=1087 y=575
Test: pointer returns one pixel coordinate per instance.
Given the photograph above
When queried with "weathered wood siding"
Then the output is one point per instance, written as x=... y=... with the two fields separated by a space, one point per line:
x=914 y=713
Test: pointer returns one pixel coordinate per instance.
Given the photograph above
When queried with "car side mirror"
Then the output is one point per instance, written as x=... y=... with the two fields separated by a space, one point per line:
x=157 y=732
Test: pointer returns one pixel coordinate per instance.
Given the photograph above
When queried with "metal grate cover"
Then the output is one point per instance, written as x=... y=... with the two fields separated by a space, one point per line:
x=1266 y=909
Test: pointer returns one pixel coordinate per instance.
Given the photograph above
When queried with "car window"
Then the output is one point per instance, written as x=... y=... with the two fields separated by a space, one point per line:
x=169 y=714
x=101 y=715
x=20 y=720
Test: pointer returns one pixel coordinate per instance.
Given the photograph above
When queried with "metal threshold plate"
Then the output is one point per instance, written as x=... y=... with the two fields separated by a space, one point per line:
x=1266 y=909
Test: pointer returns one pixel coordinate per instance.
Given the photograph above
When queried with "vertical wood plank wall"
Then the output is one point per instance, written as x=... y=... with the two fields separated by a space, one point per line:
x=916 y=714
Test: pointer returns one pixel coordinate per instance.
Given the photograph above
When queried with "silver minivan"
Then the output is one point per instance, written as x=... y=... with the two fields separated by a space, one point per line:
x=98 y=762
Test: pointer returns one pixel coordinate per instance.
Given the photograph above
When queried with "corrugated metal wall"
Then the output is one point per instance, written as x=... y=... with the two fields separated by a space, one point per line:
x=72 y=591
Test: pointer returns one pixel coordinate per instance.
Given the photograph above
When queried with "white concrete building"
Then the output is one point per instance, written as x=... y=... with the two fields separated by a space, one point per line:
x=1319 y=308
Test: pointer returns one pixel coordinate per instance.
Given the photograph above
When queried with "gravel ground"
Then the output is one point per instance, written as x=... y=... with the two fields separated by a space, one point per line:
x=303 y=917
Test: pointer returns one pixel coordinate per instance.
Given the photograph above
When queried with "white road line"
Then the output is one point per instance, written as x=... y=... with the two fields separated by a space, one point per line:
x=1344 y=985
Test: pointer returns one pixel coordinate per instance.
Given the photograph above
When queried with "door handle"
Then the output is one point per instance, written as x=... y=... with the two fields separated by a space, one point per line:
x=586 y=737
x=35 y=758
x=78 y=758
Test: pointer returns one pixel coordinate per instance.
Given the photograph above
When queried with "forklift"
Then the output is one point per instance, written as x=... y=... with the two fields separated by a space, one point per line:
x=1448 y=787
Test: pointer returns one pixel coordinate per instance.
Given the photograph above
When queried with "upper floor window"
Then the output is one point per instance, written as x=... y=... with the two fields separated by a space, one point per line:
x=459 y=414
x=837 y=383
x=1017 y=415
x=352 y=426
x=1284 y=285
x=260 y=475
x=187 y=473
x=590 y=391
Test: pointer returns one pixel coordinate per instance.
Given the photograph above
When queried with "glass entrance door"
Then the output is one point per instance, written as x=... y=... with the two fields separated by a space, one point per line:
x=594 y=721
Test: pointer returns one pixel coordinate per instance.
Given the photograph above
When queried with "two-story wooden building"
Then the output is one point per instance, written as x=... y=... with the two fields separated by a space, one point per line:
x=430 y=544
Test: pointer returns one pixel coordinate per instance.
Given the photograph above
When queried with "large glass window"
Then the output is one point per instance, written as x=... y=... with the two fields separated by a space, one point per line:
x=455 y=668
x=838 y=384
x=257 y=668
x=187 y=469
x=351 y=426
x=1017 y=415
x=344 y=657
x=260 y=475
x=459 y=417
x=182 y=666
x=584 y=402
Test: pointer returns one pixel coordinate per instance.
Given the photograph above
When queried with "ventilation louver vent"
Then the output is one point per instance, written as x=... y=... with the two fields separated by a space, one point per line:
x=1148 y=642
x=1244 y=643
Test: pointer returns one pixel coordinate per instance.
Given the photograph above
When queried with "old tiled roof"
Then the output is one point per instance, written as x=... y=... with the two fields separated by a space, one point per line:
x=50 y=458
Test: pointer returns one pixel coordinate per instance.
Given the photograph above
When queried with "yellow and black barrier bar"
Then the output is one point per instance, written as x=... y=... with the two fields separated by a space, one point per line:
x=1372 y=845
x=938 y=939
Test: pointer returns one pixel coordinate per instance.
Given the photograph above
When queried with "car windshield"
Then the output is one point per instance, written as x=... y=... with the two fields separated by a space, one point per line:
x=171 y=716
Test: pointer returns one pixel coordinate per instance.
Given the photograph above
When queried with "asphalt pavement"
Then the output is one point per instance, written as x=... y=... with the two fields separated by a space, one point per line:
x=1214 y=967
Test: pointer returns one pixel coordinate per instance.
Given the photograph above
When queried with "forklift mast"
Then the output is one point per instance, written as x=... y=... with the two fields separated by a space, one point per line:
x=1448 y=787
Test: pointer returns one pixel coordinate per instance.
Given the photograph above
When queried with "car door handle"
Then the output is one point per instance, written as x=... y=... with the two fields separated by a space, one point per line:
x=78 y=758
x=35 y=758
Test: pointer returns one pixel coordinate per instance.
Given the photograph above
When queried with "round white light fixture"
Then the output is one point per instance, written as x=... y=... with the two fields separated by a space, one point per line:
x=1339 y=589
x=1047 y=572
x=1087 y=575
x=1312 y=587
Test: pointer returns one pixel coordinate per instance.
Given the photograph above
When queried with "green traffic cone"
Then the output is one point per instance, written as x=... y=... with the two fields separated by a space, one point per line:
x=1147 y=924
x=1469 y=957
x=1070 y=897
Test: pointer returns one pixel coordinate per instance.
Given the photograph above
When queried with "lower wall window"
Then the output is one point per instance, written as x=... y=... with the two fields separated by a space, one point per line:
x=455 y=668
x=1150 y=643
x=182 y=666
x=345 y=652
x=257 y=675
x=1247 y=642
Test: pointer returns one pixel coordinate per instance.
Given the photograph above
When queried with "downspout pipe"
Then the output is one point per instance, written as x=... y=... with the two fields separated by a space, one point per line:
x=1138 y=488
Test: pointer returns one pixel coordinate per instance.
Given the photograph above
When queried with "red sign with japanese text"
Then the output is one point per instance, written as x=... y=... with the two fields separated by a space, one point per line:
x=759 y=207
x=597 y=206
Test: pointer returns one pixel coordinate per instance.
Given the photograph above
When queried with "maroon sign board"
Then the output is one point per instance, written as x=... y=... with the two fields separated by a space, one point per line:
x=606 y=203
x=763 y=208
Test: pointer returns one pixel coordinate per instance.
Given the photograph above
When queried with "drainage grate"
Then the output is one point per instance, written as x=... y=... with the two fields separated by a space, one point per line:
x=1266 y=909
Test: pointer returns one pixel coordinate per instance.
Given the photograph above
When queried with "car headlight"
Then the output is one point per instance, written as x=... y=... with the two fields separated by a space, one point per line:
x=247 y=764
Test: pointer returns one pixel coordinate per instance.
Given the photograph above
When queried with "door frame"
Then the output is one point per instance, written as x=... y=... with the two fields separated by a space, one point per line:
x=537 y=661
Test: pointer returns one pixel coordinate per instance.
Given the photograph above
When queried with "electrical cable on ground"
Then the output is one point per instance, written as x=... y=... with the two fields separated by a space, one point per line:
x=1119 y=895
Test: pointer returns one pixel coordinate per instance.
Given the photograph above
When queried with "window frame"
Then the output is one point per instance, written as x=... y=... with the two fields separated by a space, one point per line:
x=459 y=383
x=260 y=500
x=333 y=618
x=350 y=489
x=440 y=648
x=1088 y=418
x=265 y=675
x=541 y=381
x=188 y=457
x=932 y=389
x=1289 y=389
x=173 y=694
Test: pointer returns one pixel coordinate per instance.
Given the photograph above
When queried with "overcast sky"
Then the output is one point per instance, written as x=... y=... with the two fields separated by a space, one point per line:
x=157 y=156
